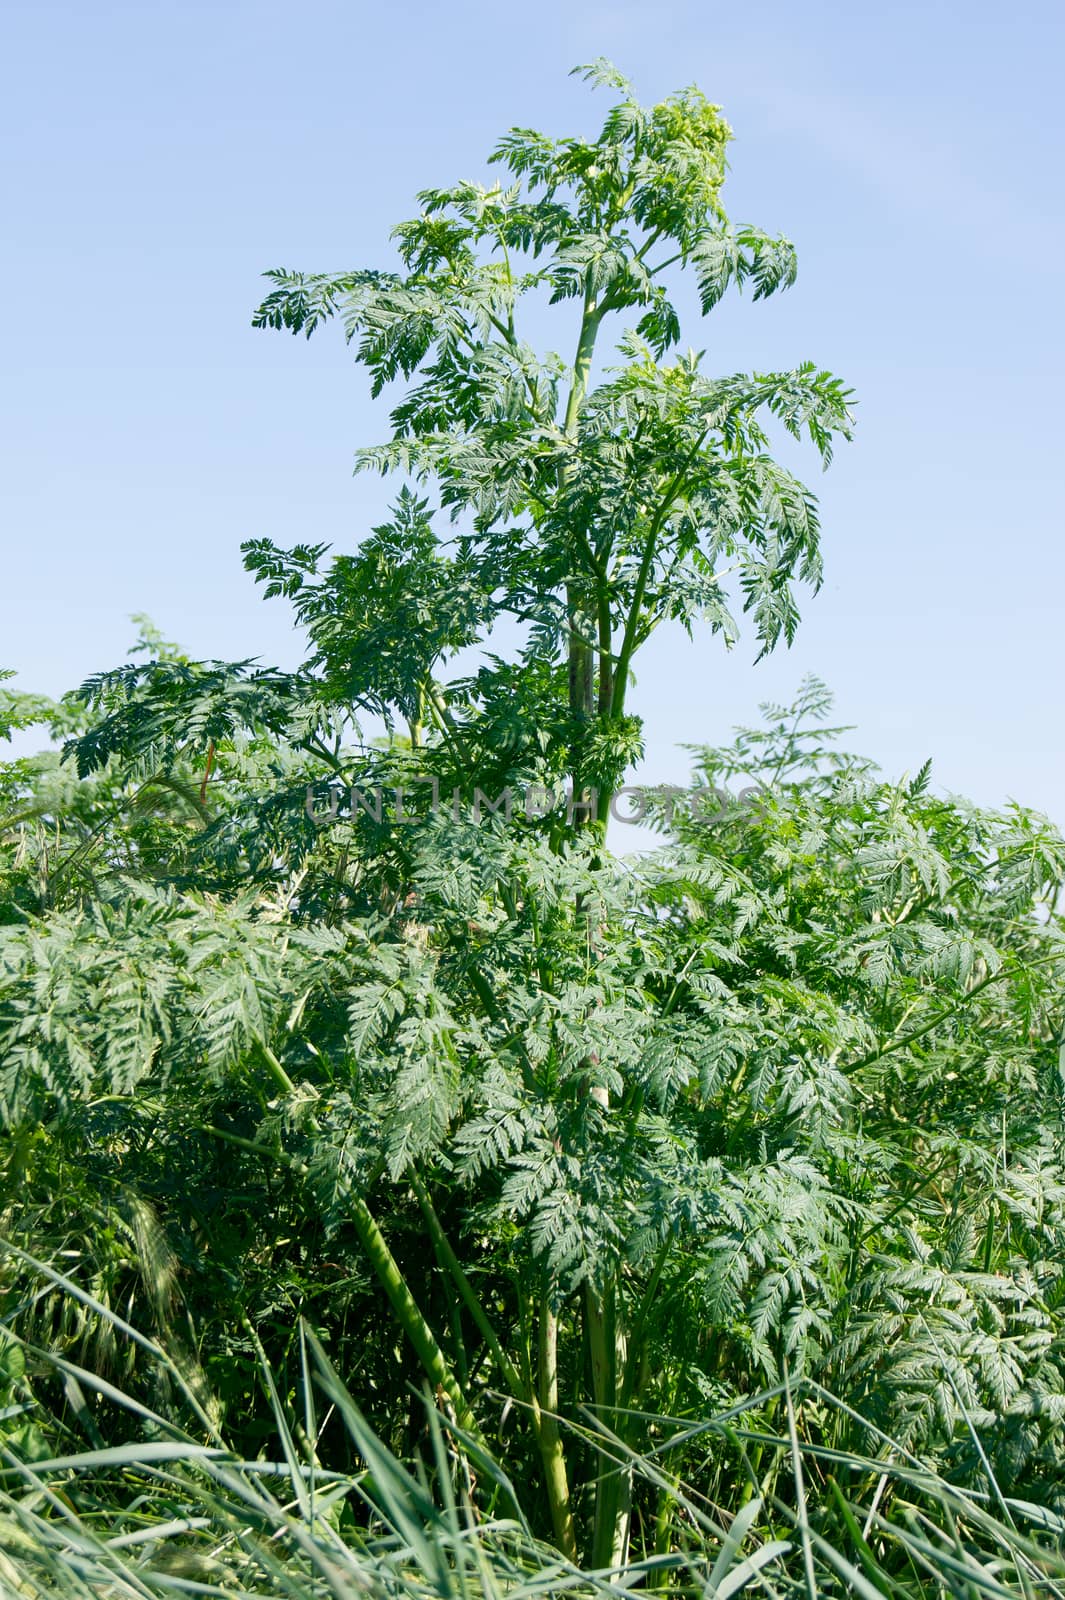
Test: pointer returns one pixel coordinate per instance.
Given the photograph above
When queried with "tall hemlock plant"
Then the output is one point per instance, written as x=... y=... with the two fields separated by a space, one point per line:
x=590 y=507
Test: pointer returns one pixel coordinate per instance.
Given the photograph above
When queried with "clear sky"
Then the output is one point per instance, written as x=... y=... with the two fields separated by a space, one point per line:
x=161 y=154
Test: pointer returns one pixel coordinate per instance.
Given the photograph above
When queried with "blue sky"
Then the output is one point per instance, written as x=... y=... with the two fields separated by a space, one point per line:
x=162 y=155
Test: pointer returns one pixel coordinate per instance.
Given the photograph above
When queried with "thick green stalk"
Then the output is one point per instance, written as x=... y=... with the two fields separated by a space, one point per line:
x=663 y=1528
x=409 y=1316
x=630 y=636
x=630 y=1361
x=451 y=1264
x=600 y=1320
x=606 y=659
x=276 y=1070
x=545 y=1429
x=403 y=1303
x=591 y=317
x=550 y=1438
x=581 y=655
x=613 y=1488
x=606 y=690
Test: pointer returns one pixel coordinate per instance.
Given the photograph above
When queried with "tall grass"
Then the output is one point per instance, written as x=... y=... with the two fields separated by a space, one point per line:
x=177 y=1512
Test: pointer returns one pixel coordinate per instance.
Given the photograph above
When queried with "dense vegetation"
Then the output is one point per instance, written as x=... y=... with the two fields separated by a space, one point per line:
x=543 y=1220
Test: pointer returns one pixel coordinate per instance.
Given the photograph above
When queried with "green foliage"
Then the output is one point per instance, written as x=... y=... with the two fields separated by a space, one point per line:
x=795 y=1108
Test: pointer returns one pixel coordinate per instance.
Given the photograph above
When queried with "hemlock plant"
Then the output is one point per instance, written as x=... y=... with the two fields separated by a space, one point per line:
x=589 y=508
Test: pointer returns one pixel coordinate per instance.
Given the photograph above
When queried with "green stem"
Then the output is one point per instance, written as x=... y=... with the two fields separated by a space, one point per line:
x=409 y=1316
x=451 y=1264
x=97 y=832
x=550 y=1438
x=415 y=723
x=545 y=1429
x=629 y=638
x=612 y=1492
x=445 y=722
x=663 y=1527
x=384 y=1264
x=638 y=1327
x=277 y=1071
x=591 y=317
x=600 y=1320
x=950 y=1011
x=606 y=692
x=241 y=1143
x=606 y=659
x=581 y=657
